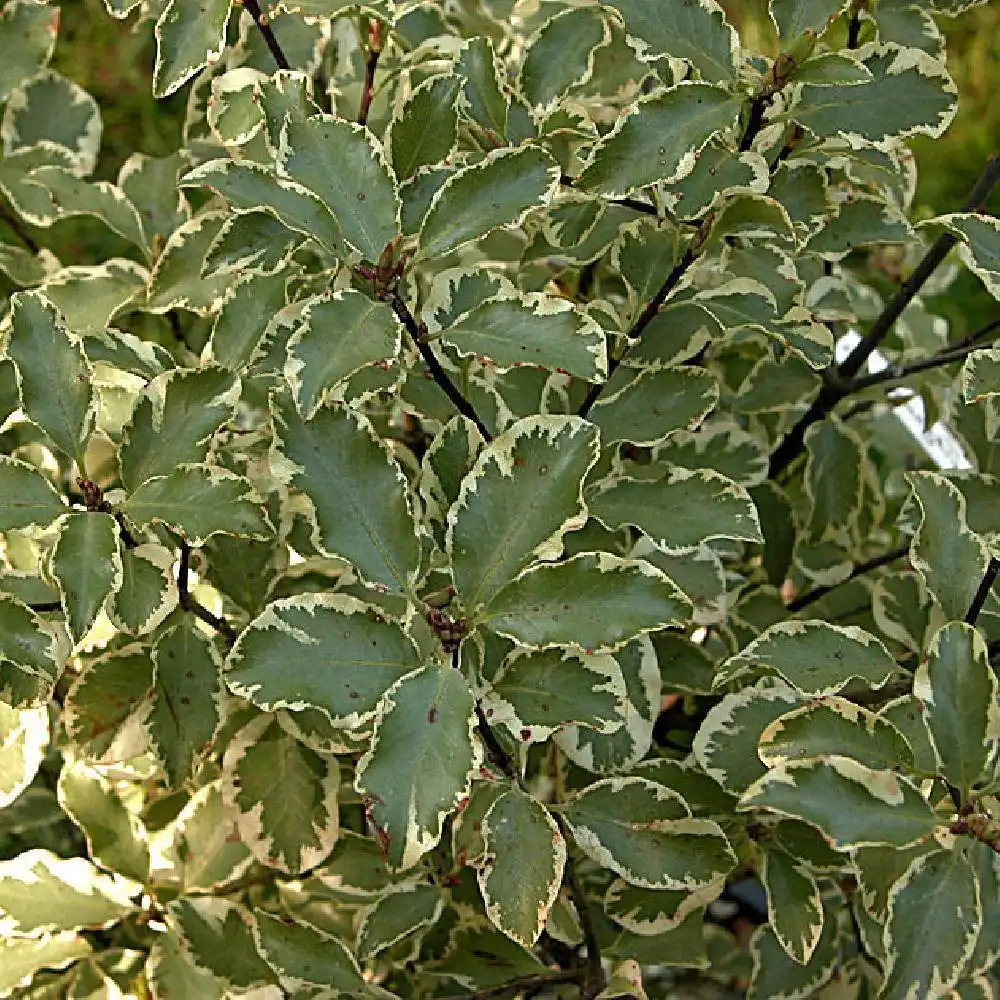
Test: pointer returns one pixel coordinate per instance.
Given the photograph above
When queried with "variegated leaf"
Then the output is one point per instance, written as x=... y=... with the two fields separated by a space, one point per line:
x=420 y=762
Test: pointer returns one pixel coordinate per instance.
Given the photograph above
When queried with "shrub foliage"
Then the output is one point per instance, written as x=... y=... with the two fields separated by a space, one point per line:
x=469 y=515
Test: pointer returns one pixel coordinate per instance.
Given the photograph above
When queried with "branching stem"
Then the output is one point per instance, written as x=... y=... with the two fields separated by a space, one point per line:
x=194 y=607
x=832 y=393
x=371 y=64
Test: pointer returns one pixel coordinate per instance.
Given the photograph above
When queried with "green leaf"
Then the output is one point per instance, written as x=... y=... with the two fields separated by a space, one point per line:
x=645 y=833
x=660 y=140
x=302 y=956
x=497 y=191
x=22 y=957
x=777 y=976
x=909 y=93
x=40 y=892
x=644 y=407
x=560 y=54
x=950 y=558
x=56 y=386
x=24 y=739
x=794 y=908
x=188 y=36
x=71 y=195
x=217 y=936
x=425 y=129
x=186 y=699
x=104 y=709
x=32 y=654
x=172 y=972
x=245 y=318
x=957 y=691
x=726 y=742
x=87 y=567
x=533 y=329
x=568 y=603
x=147 y=593
x=850 y=804
x=697 y=32
x=679 y=511
x=482 y=98
x=535 y=693
x=56 y=113
x=521 y=497
x=935 y=917
x=833 y=478
x=813 y=656
x=327 y=651
x=177 y=281
x=979 y=245
x=649 y=912
x=400 y=911
x=206 y=843
x=340 y=334
x=344 y=166
x=863 y=221
x=981 y=376
x=252 y=186
x=523 y=867
x=834 y=725
x=793 y=17
x=420 y=762
x=360 y=498
x=27 y=38
x=285 y=795
x=27 y=498
x=89 y=298
x=199 y=501
x=254 y=242
x=598 y=750
x=116 y=838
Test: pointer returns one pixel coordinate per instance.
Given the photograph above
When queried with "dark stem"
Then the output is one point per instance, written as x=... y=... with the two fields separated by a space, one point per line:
x=645 y=318
x=594 y=980
x=985 y=586
x=755 y=121
x=839 y=385
x=440 y=376
x=267 y=32
x=371 y=64
x=894 y=373
x=853 y=31
x=812 y=596
x=18 y=228
x=189 y=604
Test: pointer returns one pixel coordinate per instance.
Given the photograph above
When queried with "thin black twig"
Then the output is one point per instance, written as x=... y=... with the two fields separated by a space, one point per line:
x=811 y=596
x=895 y=373
x=985 y=586
x=638 y=327
x=194 y=607
x=412 y=327
x=18 y=229
x=267 y=33
x=838 y=385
